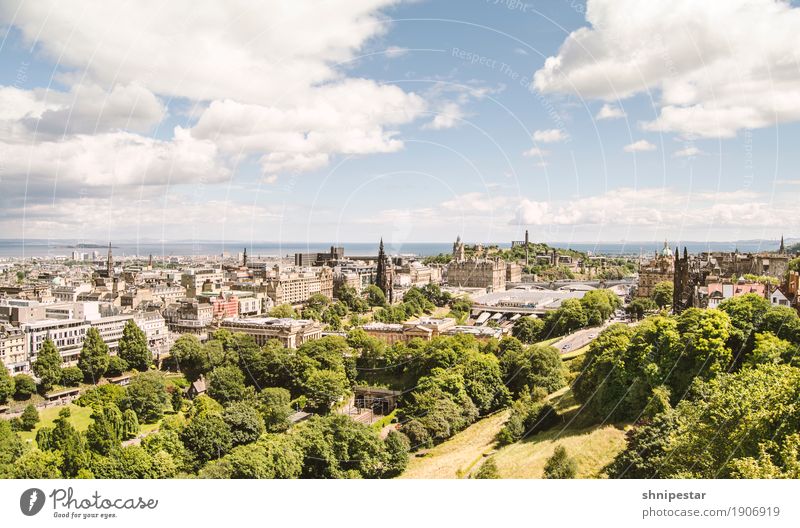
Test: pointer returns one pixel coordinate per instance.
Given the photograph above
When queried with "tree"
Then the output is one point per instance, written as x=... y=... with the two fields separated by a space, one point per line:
x=130 y=424
x=560 y=465
x=272 y=457
x=6 y=385
x=207 y=437
x=662 y=294
x=47 y=366
x=533 y=366
x=29 y=418
x=528 y=329
x=94 y=357
x=71 y=376
x=24 y=387
x=283 y=311
x=105 y=432
x=133 y=347
x=570 y=316
x=67 y=440
x=397 y=448
x=226 y=384
x=769 y=349
x=116 y=366
x=274 y=404
x=176 y=400
x=604 y=380
x=190 y=357
x=335 y=446
x=729 y=430
x=36 y=464
x=146 y=396
x=317 y=302
x=375 y=296
x=245 y=423
x=488 y=470
x=637 y=308
x=11 y=448
x=326 y=387
x=350 y=297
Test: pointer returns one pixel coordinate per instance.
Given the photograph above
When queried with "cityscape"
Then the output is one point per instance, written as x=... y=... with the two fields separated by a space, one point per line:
x=529 y=242
x=215 y=330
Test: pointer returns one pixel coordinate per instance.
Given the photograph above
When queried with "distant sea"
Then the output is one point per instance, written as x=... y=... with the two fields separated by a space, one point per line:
x=53 y=248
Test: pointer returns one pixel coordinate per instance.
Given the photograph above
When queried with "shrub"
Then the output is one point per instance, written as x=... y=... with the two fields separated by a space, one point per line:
x=29 y=418
x=24 y=387
x=488 y=470
x=71 y=376
x=560 y=465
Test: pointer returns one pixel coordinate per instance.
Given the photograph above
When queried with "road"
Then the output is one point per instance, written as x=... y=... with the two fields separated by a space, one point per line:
x=581 y=338
x=577 y=339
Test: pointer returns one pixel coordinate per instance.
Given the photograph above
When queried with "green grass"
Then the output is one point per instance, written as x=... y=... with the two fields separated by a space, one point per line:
x=456 y=457
x=593 y=448
x=575 y=353
x=80 y=419
x=550 y=341
x=383 y=422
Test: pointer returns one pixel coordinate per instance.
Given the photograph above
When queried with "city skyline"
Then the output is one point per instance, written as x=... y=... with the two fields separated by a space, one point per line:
x=400 y=120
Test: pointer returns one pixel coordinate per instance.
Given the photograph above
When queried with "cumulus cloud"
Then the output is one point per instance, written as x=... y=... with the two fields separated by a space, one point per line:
x=608 y=111
x=552 y=135
x=535 y=152
x=717 y=67
x=656 y=207
x=639 y=146
x=114 y=159
x=688 y=152
x=265 y=84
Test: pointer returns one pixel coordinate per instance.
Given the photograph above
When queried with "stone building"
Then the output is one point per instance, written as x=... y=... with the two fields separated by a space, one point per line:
x=295 y=287
x=290 y=332
x=661 y=268
x=12 y=349
x=477 y=273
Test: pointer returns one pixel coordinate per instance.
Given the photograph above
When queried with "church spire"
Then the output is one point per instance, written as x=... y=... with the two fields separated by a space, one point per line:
x=782 y=249
x=110 y=261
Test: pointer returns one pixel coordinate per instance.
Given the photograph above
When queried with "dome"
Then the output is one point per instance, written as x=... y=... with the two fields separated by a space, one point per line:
x=666 y=252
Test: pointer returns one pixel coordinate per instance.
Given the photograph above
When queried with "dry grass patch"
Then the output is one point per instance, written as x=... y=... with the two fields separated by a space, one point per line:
x=593 y=448
x=458 y=456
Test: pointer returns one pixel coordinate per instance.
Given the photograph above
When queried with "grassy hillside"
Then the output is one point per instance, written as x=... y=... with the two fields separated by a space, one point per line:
x=456 y=457
x=593 y=447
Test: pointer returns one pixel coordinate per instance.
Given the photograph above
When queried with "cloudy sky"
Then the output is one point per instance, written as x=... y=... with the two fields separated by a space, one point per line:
x=348 y=120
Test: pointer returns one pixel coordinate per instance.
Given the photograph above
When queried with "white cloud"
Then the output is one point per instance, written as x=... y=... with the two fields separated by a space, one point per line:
x=718 y=66
x=263 y=79
x=114 y=159
x=656 y=207
x=552 y=135
x=688 y=152
x=535 y=152
x=449 y=115
x=639 y=146
x=608 y=111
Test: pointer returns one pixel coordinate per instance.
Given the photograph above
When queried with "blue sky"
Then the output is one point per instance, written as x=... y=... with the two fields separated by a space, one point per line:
x=415 y=121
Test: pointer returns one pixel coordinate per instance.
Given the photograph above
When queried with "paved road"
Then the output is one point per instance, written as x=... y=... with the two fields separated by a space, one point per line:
x=577 y=339
x=581 y=338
